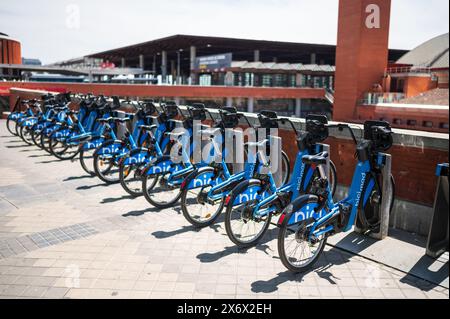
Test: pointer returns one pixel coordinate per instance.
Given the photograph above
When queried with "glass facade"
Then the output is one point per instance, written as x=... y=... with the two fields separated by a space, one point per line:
x=249 y=79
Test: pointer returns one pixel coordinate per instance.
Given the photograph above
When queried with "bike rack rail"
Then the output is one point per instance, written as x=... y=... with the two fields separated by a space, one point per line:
x=437 y=242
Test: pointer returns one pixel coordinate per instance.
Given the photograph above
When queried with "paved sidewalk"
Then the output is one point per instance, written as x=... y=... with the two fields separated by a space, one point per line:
x=65 y=235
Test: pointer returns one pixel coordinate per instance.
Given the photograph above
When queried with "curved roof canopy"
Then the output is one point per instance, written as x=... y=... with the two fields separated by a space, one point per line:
x=431 y=54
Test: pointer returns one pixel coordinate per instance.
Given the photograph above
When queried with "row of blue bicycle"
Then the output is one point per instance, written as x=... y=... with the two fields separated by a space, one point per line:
x=151 y=152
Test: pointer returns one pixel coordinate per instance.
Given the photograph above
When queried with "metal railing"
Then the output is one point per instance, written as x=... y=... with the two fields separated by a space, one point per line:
x=408 y=69
x=377 y=98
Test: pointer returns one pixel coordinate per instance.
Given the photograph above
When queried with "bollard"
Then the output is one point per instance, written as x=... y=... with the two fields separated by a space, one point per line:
x=437 y=242
x=385 y=162
x=120 y=128
x=276 y=159
x=236 y=155
x=326 y=148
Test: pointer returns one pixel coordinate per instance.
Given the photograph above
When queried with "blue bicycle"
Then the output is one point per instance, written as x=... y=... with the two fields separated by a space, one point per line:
x=251 y=204
x=65 y=141
x=156 y=144
x=204 y=190
x=163 y=175
x=107 y=157
x=310 y=219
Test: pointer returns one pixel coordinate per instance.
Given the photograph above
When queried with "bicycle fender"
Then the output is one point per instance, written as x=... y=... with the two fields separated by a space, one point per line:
x=111 y=147
x=243 y=192
x=136 y=156
x=299 y=210
x=199 y=178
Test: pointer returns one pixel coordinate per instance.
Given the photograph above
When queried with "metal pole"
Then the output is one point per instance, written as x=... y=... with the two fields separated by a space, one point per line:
x=178 y=67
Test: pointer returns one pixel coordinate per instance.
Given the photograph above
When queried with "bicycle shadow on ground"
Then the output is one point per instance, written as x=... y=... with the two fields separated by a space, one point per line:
x=40 y=155
x=137 y=213
x=182 y=230
x=50 y=162
x=262 y=245
x=116 y=199
x=73 y=178
x=88 y=187
x=321 y=268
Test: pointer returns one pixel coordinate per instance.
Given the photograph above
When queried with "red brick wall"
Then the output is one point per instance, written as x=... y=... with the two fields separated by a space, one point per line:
x=10 y=52
x=172 y=91
x=413 y=167
x=414 y=85
x=390 y=114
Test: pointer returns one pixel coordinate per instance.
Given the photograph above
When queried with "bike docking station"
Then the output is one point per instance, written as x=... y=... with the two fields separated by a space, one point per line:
x=276 y=147
x=437 y=243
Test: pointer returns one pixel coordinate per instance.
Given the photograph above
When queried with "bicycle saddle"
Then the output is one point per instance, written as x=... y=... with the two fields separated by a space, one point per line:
x=175 y=134
x=122 y=120
x=319 y=159
x=106 y=120
x=148 y=127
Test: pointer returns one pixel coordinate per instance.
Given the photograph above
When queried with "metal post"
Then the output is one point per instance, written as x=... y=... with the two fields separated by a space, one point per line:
x=141 y=62
x=276 y=166
x=326 y=148
x=385 y=160
x=121 y=129
x=178 y=67
x=193 y=58
x=298 y=108
x=122 y=63
x=313 y=58
x=250 y=104
x=256 y=55
x=164 y=67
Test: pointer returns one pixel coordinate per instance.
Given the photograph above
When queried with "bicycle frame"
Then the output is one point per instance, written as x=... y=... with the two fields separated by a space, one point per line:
x=364 y=181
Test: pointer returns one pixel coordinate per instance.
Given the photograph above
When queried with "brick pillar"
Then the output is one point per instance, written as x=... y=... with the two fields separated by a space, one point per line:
x=361 y=53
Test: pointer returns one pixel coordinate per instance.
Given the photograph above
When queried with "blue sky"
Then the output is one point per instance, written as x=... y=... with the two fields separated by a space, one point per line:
x=49 y=29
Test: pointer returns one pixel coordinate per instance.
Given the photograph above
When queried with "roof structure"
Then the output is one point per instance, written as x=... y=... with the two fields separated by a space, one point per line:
x=431 y=54
x=242 y=49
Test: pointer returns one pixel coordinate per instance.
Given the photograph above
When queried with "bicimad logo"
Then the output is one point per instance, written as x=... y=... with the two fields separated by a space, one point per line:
x=361 y=187
x=300 y=178
x=246 y=197
x=201 y=181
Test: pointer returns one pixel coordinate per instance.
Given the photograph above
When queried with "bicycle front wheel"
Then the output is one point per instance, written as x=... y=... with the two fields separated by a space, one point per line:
x=244 y=228
x=11 y=126
x=130 y=179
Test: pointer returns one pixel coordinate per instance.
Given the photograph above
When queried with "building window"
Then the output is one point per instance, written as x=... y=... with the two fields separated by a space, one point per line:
x=267 y=80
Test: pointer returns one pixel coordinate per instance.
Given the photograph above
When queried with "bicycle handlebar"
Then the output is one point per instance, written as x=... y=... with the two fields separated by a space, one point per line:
x=242 y=115
x=341 y=127
x=284 y=120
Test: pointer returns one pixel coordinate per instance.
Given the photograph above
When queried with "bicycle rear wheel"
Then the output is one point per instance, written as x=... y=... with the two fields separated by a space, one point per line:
x=296 y=252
